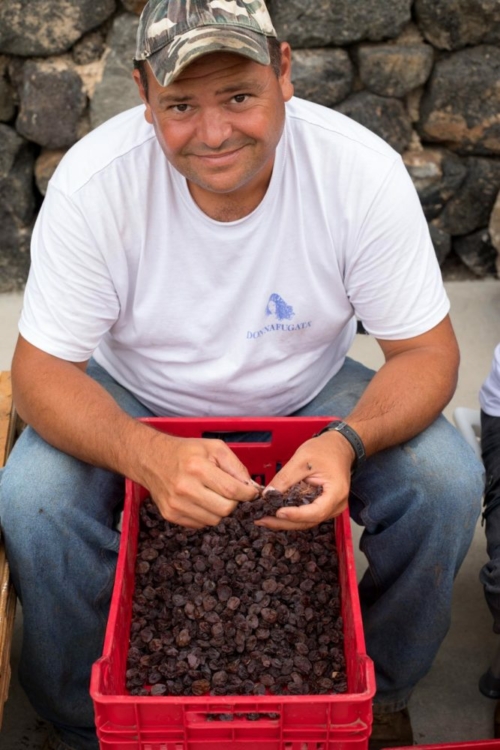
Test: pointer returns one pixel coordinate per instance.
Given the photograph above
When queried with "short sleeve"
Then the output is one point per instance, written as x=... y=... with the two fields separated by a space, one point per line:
x=70 y=301
x=393 y=278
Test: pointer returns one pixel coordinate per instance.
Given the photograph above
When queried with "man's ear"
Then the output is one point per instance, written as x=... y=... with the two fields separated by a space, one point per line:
x=137 y=78
x=285 y=78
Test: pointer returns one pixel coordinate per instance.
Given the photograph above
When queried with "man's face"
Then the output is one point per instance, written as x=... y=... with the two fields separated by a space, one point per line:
x=220 y=121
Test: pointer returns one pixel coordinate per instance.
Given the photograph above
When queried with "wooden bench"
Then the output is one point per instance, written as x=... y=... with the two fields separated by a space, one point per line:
x=8 y=433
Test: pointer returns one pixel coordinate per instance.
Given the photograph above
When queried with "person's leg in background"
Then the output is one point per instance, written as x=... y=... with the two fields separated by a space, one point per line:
x=490 y=573
x=418 y=503
x=58 y=516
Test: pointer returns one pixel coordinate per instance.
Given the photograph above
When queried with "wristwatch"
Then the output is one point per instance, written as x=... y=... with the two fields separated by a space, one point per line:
x=352 y=437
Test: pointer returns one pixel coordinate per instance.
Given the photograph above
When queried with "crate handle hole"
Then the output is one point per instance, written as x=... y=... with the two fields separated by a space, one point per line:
x=242 y=716
x=239 y=436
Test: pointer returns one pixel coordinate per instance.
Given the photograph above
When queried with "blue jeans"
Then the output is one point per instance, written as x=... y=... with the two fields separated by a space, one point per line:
x=418 y=503
x=490 y=572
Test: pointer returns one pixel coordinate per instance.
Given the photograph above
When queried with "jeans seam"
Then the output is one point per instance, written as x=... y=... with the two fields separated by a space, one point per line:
x=371 y=566
x=99 y=599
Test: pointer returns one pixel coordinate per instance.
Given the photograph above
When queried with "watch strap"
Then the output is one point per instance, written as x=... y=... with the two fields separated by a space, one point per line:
x=352 y=437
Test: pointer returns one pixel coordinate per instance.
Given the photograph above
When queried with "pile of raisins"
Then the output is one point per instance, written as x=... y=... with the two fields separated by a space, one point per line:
x=236 y=609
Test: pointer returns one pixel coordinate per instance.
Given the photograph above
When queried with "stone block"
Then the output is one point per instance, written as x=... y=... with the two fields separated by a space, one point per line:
x=7 y=103
x=437 y=175
x=134 y=6
x=89 y=48
x=461 y=107
x=453 y=24
x=471 y=206
x=48 y=27
x=324 y=23
x=385 y=116
x=394 y=70
x=477 y=252
x=45 y=167
x=323 y=76
x=17 y=208
x=441 y=241
x=52 y=103
x=494 y=227
x=116 y=91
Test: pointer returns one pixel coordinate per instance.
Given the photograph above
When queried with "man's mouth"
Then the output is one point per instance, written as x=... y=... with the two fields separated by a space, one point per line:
x=216 y=157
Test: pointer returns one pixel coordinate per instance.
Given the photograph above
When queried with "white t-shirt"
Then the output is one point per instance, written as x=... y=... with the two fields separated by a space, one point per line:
x=251 y=317
x=489 y=395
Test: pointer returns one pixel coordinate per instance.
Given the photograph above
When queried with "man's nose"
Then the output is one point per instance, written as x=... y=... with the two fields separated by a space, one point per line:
x=214 y=128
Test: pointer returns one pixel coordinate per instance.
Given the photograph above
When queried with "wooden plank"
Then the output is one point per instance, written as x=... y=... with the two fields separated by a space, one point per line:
x=7 y=628
x=8 y=422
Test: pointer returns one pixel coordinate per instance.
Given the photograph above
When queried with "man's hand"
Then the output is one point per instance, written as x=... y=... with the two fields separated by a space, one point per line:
x=196 y=482
x=406 y=394
x=326 y=461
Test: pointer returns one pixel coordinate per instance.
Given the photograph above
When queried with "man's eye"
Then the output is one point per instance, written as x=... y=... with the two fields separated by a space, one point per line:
x=240 y=98
x=180 y=107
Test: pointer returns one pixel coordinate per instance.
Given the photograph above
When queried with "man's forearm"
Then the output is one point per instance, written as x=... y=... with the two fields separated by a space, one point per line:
x=405 y=396
x=76 y=415
x=194 y=482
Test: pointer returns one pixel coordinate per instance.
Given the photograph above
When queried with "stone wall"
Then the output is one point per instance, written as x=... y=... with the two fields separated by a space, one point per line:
x=422 y=74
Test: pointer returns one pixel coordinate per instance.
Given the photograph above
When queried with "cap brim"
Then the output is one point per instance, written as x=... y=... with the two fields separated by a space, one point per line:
x=170 y=60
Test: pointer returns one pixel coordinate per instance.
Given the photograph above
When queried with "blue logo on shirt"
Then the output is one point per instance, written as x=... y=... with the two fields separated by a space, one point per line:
x=278 y=308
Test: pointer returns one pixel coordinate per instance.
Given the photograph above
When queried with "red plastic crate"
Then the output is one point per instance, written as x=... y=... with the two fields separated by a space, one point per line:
x=473 y=745
x=309 y=722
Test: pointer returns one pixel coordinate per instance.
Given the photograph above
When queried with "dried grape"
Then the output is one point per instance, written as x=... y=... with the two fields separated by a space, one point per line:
x=236 y=609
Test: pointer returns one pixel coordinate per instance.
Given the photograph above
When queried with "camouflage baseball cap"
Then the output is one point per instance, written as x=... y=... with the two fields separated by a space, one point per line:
x=173 y=33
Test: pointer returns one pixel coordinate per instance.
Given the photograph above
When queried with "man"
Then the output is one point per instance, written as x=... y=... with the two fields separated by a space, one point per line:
x=489 y=399
x=209 y=256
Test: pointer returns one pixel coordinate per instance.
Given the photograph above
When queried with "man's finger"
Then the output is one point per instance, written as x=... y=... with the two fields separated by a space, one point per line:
x=292 y=473
x=195 y=515
x=218 y=481
x=277 y=524
x=229 y=462
x=323 y=508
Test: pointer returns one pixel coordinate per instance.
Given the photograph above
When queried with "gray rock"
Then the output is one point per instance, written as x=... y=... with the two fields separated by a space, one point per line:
x=134 y=6
x=384 y=116
x=393 y=69
x=117 y=91
x=461 y=105
x=45 y=167
x=495 y=224
x=52 y=103
x=7 y=106
x=15 y=67
x=17 y=208
x=441 y=241
x=324 y=23
x=470 y=208
x=453 y=24
x=477 y=252
x=89 y=48
x=7 y=103
x=437 y=174
x=323 y=76
x=48 y=27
